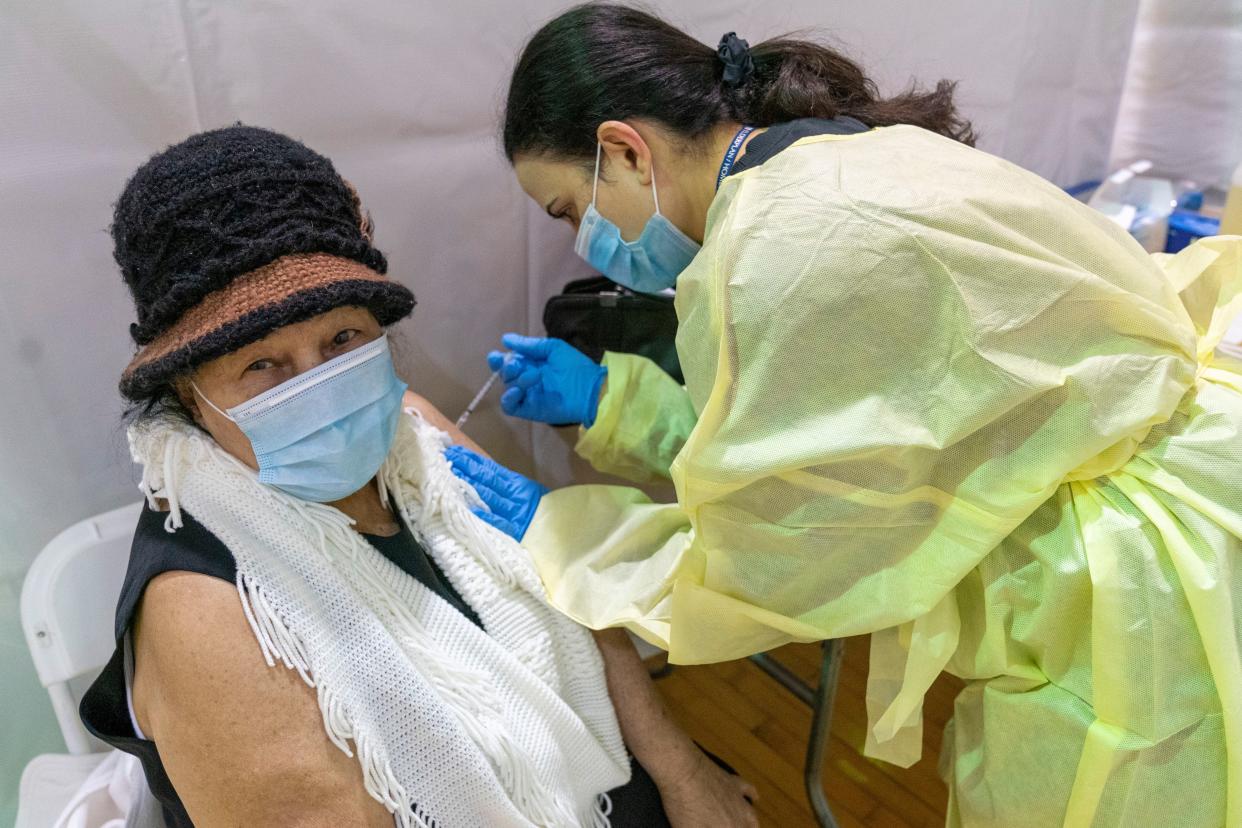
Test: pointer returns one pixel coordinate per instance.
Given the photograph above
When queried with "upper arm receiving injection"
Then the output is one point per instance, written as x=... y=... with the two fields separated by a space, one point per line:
x=432 y=414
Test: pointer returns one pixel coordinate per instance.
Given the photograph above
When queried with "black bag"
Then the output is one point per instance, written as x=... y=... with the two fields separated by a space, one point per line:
x=596 y=315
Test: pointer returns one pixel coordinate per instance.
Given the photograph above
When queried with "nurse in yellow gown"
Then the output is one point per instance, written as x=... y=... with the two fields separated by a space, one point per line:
x=928 y=397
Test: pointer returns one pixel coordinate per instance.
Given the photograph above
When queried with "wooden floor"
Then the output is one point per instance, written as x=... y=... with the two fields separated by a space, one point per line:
x=743 y=716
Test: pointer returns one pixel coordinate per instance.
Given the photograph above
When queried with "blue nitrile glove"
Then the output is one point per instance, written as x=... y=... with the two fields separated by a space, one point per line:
x=547 y=380
x=512 y=498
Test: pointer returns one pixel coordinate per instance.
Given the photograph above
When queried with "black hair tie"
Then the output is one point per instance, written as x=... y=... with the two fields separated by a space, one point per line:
x=734 y=53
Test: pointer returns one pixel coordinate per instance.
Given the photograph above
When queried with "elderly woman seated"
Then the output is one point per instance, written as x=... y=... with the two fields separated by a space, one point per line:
x=314 y=627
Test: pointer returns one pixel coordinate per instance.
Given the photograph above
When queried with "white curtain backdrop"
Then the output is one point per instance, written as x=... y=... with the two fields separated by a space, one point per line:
x=405 y=98
x=1182 y=105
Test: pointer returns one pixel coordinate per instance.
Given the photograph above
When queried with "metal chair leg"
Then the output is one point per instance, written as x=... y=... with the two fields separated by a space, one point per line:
x=820 y=701
x=785 y=677
x=821 y=726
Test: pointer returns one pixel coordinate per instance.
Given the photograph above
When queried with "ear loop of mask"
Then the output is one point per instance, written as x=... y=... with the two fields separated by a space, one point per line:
x=203 y=397
x=599 y=151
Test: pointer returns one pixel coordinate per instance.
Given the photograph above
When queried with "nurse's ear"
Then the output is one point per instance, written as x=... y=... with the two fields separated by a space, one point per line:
x=626 y=150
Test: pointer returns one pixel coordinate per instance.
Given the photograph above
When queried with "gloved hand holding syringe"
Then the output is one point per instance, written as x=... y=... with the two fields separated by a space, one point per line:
x=547 y=380
x=498 y=366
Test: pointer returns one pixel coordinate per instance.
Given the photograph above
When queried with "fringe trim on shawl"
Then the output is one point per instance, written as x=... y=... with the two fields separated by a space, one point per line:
x=278 y=643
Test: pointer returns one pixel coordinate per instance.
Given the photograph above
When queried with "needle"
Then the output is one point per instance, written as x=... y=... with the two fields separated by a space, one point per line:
x=478 y=398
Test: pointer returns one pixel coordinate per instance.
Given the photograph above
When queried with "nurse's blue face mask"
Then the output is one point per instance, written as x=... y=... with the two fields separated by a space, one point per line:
x=650 y=263
x=325 y=433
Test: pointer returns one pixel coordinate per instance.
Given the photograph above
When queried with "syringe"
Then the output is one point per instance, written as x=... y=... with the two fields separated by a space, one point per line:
x=478 y=398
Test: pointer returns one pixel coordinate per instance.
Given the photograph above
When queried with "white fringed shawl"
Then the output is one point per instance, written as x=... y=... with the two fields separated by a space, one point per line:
x=453 y=727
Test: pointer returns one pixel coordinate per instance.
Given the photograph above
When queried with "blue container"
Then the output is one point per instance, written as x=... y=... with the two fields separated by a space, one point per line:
x=1186 y=228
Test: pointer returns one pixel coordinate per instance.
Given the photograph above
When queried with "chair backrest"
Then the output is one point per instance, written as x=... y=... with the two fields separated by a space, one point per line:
x=68 y=605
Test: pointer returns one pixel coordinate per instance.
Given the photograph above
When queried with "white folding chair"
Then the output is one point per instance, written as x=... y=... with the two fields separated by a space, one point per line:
x=68 y=604
x=67 y=607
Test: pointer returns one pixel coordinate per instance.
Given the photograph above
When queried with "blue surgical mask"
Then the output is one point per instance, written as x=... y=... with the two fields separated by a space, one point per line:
x=649 y=264
x=325 y=433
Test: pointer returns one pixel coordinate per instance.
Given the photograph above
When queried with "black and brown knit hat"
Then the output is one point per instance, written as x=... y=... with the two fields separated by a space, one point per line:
x=231 y=234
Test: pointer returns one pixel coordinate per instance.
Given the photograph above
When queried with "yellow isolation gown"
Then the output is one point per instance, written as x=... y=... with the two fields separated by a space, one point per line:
x=930 y=397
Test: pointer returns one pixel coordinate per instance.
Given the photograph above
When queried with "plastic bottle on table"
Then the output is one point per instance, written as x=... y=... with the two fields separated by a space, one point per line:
x=1139 y=204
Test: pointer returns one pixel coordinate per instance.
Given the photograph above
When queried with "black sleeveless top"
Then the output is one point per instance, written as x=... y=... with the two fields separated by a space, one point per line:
x=192 y=548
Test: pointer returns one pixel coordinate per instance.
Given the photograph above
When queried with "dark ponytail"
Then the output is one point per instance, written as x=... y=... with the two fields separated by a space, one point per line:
x=603 y=61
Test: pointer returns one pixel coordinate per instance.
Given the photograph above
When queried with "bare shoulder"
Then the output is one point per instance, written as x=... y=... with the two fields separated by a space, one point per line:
x=186 y=621
x=240 y=740
x=434 y=416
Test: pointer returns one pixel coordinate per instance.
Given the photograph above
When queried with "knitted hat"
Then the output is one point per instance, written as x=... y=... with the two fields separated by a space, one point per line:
x=231 y=234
